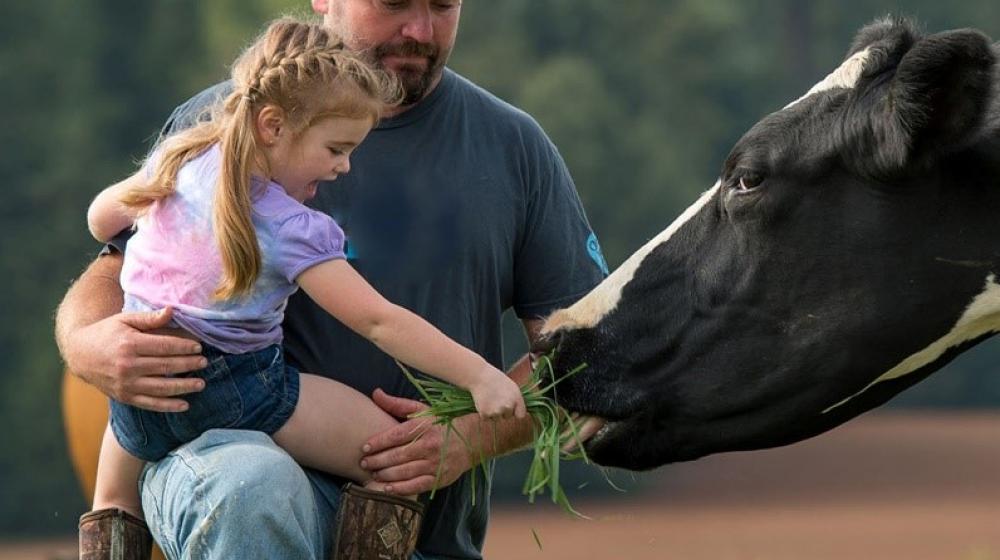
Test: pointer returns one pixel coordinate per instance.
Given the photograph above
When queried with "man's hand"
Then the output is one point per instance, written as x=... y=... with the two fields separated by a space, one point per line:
x=125 y=362
x=406 y=457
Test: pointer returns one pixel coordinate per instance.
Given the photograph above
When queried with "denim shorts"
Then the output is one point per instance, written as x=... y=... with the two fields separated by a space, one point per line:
x=252 y=391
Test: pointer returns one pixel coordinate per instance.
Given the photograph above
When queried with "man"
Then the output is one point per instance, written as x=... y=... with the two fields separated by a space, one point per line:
x=457 y=207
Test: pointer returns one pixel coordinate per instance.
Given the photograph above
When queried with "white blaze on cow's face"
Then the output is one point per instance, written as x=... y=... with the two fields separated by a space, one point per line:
x=845 y=76
x=982 y=316
x=603 y=299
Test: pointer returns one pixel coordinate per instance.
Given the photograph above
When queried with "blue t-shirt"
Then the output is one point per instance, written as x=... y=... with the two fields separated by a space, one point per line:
x=457 y=209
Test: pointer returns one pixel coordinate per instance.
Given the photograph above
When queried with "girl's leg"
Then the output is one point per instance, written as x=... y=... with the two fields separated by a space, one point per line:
x=330 y=424
x=326 y=431
x=117 y=477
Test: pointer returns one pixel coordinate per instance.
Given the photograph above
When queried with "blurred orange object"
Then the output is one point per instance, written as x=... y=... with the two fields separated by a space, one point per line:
x=85 y=414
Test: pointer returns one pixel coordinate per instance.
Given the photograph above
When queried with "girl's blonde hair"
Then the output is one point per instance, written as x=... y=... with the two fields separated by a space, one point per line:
x=299 y=67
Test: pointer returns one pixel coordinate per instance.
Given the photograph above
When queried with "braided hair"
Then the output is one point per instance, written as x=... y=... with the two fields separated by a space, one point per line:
x=301 y=68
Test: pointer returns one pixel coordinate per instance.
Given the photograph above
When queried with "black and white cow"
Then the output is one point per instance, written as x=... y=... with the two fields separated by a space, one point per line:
x=850 y=248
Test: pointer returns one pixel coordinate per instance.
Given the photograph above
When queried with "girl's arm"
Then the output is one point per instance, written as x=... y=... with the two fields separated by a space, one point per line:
x=106 y=216
x=343 y=293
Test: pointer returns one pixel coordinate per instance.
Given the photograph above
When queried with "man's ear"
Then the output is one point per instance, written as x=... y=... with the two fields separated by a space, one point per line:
x=936 y=101
x=270 y=123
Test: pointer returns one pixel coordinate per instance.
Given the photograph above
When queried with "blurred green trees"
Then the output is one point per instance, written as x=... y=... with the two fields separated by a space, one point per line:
x=643 y=98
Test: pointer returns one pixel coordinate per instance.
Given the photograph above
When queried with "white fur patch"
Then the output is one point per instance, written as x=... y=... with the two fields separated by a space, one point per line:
x=980 y=317
x=604 y=298
x=846 y=76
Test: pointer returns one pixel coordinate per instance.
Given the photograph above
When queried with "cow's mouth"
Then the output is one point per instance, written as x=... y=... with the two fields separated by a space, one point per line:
x=596 y=439
x=597 y=443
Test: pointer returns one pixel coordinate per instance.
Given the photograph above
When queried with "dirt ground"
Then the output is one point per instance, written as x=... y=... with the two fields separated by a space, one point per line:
x=884 y=487
x=960 y=531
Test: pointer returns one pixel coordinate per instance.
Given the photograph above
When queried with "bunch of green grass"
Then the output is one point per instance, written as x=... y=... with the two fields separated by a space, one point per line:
x=553 y=426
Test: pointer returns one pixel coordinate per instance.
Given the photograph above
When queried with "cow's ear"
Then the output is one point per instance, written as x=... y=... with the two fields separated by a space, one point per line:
x=888 y=37
x=936 y=101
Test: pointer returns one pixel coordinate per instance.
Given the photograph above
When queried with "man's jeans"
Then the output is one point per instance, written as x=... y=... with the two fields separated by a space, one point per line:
x=235 y=494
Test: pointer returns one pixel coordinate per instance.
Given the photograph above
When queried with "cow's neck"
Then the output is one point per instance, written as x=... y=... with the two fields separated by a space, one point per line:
x=981 y=317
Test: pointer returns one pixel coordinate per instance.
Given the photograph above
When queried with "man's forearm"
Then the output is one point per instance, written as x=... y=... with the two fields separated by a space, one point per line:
x=95 y=295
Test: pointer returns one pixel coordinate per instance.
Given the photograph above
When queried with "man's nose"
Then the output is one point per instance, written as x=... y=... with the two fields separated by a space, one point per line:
x=419 y=24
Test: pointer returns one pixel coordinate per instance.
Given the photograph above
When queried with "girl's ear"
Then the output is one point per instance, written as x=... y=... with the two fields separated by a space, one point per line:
x=270 y=123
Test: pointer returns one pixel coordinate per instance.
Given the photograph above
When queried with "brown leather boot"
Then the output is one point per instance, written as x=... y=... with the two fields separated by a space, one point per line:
x=113 y=534
x=376 y=526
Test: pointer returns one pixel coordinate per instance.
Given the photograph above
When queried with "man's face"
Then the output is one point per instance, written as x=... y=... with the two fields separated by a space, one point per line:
x=410 y=38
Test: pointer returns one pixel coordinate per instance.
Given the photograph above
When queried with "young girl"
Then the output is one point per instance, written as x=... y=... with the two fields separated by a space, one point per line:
x=222 y=237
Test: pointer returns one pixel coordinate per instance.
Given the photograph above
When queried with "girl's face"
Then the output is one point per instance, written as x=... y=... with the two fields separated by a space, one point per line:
x=321 y=152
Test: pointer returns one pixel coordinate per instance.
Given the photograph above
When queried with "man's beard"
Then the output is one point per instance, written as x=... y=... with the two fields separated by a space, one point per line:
x=414 y=80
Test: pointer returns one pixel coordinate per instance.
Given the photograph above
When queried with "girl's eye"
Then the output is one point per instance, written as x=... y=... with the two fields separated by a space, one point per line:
x=336 y=151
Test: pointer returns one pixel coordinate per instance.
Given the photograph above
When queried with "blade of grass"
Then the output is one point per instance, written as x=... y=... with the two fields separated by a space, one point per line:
x=538 y=541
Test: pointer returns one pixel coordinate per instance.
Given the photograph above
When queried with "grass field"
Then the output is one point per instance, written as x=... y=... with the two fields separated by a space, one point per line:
x=884 y=487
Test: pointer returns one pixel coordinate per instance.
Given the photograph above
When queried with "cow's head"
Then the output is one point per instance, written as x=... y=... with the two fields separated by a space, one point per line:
x=850 y=248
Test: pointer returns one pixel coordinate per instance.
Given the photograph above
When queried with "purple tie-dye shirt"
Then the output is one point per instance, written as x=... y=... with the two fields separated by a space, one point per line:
x=173 y=259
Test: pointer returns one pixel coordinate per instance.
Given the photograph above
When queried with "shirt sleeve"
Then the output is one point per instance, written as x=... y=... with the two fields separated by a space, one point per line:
x=559 y=259
x=305 y=240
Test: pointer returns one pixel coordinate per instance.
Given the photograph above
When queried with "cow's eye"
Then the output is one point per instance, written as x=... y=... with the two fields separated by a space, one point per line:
x=748 y=181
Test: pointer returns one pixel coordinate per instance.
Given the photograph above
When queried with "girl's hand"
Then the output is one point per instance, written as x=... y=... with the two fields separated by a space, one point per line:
x=498 y=396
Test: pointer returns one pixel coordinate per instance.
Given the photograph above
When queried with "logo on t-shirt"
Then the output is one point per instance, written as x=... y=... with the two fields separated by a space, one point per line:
x=349 y=252
x=594 y=248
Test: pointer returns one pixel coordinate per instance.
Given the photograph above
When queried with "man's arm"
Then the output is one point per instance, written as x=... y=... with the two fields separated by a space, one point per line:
x=407 y=456
x=111 y=351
